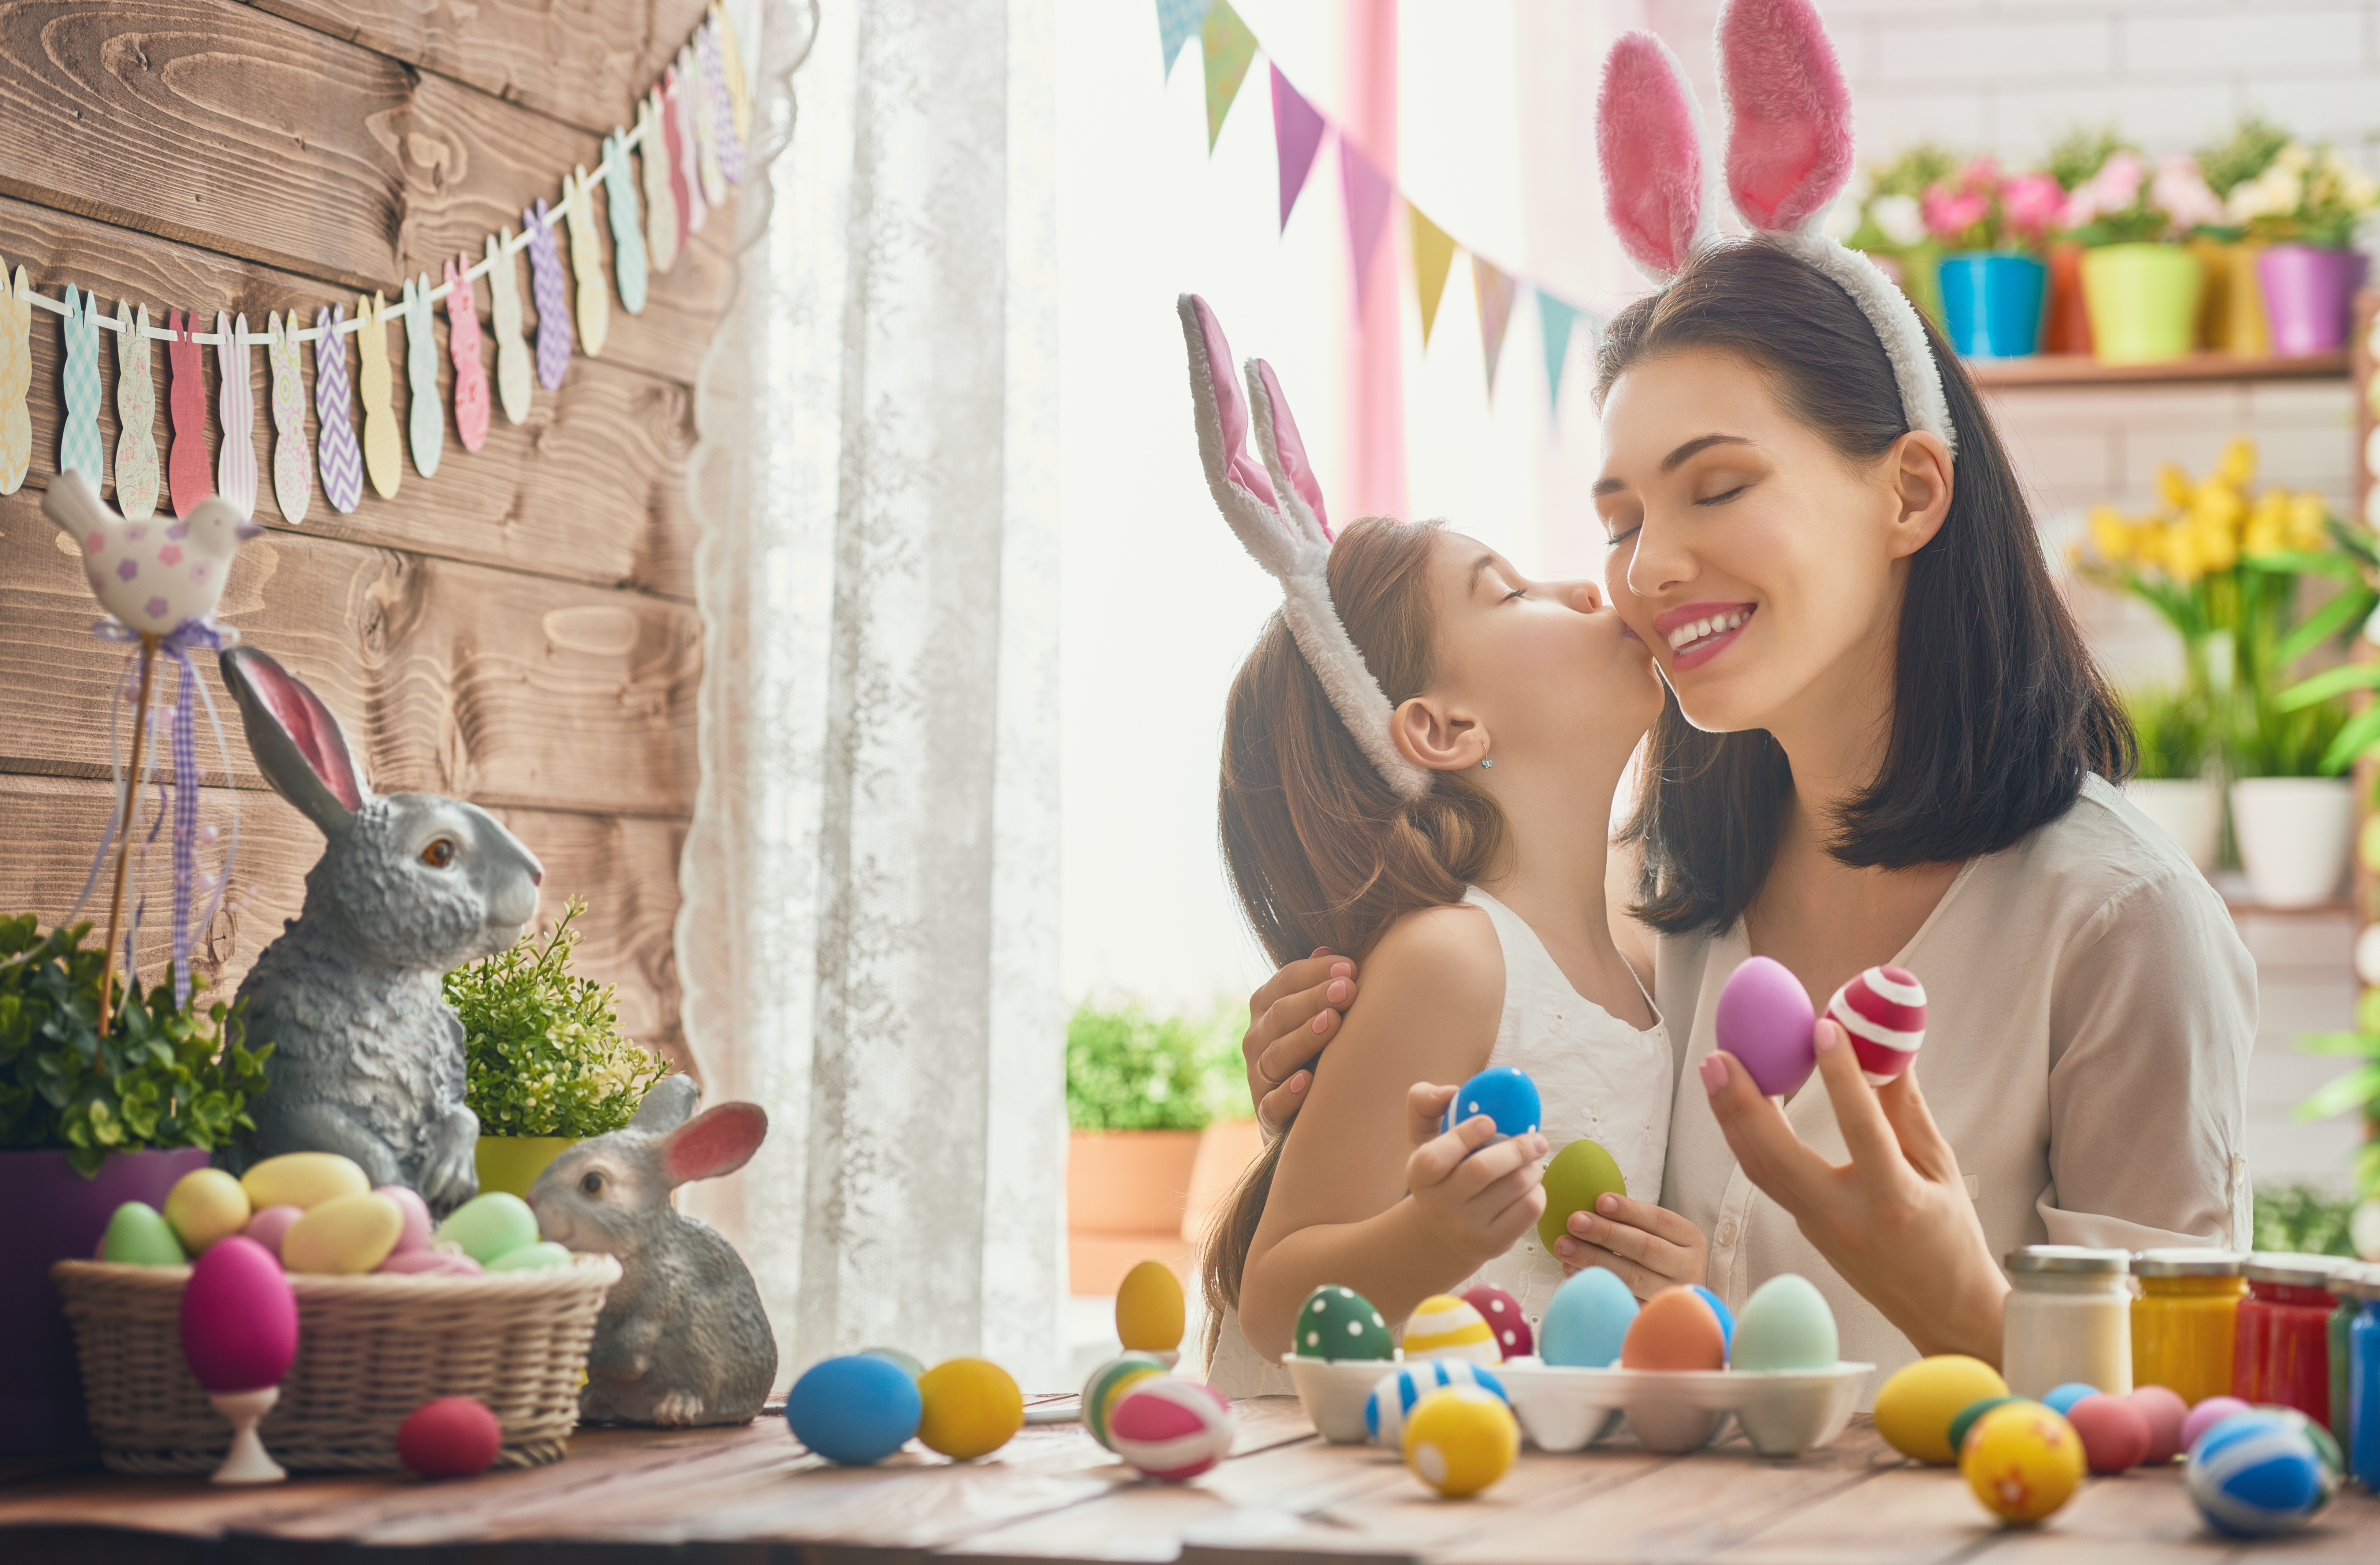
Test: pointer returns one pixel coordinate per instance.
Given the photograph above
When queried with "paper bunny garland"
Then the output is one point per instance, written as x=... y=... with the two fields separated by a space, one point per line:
x=15 y=379
x=463 y=346
x=425 y=419
x=136 y=416
x=504 y=307
x=343 y=461
x=188 y=476
x=627 y=224
x=235 y=462
x=1788 y=119
x=78 y=448
x=383 y=452
x=587 y=268
x=293 y=465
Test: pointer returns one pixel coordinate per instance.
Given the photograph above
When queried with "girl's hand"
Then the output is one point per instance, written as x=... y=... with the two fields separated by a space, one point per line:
x=1291 y=1020
x=1475 y=1200
x=1896 y=1220
x=1649 y=1247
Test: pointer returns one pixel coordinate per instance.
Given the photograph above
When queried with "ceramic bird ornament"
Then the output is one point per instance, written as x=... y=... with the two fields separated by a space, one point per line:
x=155 y=576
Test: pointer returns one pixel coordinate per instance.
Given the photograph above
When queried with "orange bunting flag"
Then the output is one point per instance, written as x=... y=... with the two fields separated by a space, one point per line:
x=1495 y=291
x=1230 y=49
x=1433 y=255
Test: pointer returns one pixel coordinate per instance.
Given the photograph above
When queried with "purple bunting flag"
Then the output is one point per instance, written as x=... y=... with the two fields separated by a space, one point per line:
x=1369 y=196
x=1297 y=128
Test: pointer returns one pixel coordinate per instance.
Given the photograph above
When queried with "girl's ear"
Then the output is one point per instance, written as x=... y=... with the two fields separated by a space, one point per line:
x=1922 y=478
x=1430 y=735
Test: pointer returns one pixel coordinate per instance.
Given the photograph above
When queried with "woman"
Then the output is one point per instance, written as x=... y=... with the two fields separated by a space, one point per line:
x=1885 y=743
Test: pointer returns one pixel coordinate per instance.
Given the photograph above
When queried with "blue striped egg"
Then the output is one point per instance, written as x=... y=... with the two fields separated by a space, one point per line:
x=1399 y=1389
x=2254 y=1476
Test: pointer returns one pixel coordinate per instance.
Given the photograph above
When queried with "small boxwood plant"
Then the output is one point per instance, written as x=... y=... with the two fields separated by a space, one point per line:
x=1128 y=1070
x=542 y=1048
x=166 y=1074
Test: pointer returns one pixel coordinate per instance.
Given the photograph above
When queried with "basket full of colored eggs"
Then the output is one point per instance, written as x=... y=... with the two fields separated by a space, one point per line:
x=300 y=1296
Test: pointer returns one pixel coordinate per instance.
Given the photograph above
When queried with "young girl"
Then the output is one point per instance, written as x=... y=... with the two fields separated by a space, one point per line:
x=1418 y=761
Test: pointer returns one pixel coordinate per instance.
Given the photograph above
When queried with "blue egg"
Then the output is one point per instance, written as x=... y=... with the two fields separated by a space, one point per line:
x=1504 y=1095
x=1587 y=1320
x=1399 y=1389
x=854 y=1409
x=1726 y=1318
x=2255 y=1474
x=2061 y=1399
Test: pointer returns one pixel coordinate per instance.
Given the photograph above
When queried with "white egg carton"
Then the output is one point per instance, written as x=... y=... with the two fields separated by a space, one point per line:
x=1334 y=1390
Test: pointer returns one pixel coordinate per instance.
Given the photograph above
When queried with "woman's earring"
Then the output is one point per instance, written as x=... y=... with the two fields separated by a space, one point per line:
x=1487 y=762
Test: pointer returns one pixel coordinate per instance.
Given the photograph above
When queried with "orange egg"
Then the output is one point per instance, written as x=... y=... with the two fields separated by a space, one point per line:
x=1674 y=1331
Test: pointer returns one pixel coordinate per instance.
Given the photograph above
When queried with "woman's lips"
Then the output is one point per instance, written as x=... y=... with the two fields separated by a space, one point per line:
x=1700 y=632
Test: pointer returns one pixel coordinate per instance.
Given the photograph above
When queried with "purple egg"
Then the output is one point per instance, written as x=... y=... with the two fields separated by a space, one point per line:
x=240 y=1320
x=2209 y=1412
x=268 y=1226
x=416 y=1232
x=1766 y=1020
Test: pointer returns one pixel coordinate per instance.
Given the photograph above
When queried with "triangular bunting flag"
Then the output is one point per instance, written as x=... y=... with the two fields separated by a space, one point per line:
x=1433 y=254
x=1555 y=318
x=1495 y=291
x=1230 y=48
x=1367 y=193
x=1177 y=23
x=1297 y=129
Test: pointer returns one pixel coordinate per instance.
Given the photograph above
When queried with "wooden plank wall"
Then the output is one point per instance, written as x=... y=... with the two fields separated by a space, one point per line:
x=518 y=630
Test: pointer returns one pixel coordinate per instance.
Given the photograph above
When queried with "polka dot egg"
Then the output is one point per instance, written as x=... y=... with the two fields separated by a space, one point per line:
x=1445 y=1327
x=1505 y=1321
x=1401 y=1388
x=1461 y=1439
x=1339 y=1323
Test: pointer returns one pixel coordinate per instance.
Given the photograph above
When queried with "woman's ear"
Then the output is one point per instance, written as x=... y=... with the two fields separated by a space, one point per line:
x=1921 y=477
x=1429 y=733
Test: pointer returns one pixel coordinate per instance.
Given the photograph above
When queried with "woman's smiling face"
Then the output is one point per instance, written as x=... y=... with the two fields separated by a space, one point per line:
x=1763 y=568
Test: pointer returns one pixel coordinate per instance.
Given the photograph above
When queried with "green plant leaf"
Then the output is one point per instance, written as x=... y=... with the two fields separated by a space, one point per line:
x=2356 y=1092
x=2346 y=609
x=2361 y=730
x=2299 y=562
x=2361 y=1044
x=2330 y=682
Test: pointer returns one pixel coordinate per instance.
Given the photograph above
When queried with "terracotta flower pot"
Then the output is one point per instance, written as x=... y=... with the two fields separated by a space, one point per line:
x=1127 y=1192
x=2308 y=294
x=2067 y=325
x=512 y=1163
x=2144 y=301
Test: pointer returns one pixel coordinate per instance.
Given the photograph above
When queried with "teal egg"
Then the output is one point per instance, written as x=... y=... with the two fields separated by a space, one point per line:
x=139 y=1235
x=488 y=1226
x=1339 y=1323
x=531 y=1258
x=1587 y=1320
x=1967 y=1417
x=909 y=1363
x=1786 y=1325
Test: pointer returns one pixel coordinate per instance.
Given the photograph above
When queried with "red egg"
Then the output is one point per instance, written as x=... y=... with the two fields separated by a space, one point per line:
x=1674 y=1331
x=1883 y=1012
x=1502 y=1314
x=451 y=1438
x=240 y=1320
x=2163 y=1408
x=2115 y=1435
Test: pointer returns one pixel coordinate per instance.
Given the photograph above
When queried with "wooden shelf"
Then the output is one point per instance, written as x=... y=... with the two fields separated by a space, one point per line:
x=2081 y=370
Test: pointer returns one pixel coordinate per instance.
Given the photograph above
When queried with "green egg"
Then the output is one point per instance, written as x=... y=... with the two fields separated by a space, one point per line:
x=1785 y=1325
x=1966 y=1416
x=1579 y=1173
x=909 y=1363
x=489 y=1226
x=1339 y=1323
x=531 y=1258
x=139 y=1235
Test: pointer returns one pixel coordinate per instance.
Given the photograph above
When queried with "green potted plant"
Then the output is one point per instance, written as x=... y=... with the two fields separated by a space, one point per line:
x=545 y=1061
x=86 y=1125
x=2139 y=285
x=2174 y=783
x=2358 y=1093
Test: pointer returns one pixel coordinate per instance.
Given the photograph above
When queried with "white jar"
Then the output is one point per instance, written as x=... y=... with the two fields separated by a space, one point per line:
x=2069 y=1318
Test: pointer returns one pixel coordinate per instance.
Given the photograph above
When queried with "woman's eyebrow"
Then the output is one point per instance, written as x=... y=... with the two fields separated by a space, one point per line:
x=1479 y=568
x=1670 y=464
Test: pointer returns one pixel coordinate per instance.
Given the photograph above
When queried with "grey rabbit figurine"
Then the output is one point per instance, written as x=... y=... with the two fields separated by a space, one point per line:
x=682 y=1338
x=367 y=1056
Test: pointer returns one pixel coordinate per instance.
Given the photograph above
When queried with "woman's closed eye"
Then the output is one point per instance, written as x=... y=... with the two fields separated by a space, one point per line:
x=1617 y=538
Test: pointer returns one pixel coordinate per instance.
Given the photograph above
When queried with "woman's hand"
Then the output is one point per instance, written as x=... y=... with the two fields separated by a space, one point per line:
x=1896 y=1220
x=1647 y=1247
x=1291 y=1020
x=1473 y=1200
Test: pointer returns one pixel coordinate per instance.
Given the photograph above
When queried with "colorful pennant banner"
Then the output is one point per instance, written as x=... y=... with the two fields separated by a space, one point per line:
x=689 y=139
x=1368 y=195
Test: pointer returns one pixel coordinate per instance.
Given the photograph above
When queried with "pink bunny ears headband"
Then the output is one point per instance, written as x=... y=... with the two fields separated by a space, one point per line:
x=1276 y=511
x=1788 y=153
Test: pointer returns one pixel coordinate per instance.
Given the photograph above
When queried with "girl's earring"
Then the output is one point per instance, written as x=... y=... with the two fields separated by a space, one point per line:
x=1487 y=762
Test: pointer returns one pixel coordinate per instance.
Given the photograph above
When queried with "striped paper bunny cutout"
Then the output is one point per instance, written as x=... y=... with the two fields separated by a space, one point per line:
x=503 y=306
x=136 y=416
x=724 y=131
x=188 y=475
x=383 y=452
x=78 y=447
x=293 y=464
x=463 y=344
x=16 y=379
x=236 y=463
x=587 y=266
x=627 y=224
x=686 y=177
x=553 y=336
x=343 y=464
x=660 y=202
x=731 y=62
x=425 y=416
x=694 y=86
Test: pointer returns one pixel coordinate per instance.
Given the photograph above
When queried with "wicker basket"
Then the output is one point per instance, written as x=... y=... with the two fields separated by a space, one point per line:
x=369 y=1351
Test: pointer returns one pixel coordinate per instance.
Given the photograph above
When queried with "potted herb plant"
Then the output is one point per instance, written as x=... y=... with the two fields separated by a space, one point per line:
x=2174 y=784
x=545 y=1063
x=2231 y=315
x=2292 y=823
x=86 y=1125
x=1992 y=286
x=2304 y=208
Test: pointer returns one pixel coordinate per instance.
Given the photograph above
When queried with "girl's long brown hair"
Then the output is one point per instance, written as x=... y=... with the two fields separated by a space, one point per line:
x=1322 y=851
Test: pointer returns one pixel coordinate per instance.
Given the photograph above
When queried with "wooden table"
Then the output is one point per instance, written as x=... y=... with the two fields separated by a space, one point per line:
x=750 y=1494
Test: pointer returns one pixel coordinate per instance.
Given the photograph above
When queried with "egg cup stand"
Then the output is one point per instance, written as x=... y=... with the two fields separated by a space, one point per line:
x=1784 y=1414
x=371 y=1350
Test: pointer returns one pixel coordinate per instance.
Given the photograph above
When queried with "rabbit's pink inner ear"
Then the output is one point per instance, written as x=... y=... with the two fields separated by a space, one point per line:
x=1230 y=408
x=717 y=1141
x=1290 y=447
x=1788 y=145
x=309 y=725
x=1651 y=153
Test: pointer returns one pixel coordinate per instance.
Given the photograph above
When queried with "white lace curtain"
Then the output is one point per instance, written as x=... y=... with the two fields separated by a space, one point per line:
x=868 y=938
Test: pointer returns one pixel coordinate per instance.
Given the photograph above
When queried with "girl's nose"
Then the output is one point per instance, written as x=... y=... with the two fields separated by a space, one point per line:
x=1586 y=597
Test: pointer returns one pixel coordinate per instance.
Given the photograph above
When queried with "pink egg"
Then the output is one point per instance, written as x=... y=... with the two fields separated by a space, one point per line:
x=240 y=1320
x=2116 y=1437
x=430 y=1263
x=2207 y=1415
x=416 y=1234
x=451 y=1438
x=2166 y=1411
x=1883 y=1010
x=1502 y=1314
x=1764 y=1020
x=268 y=1226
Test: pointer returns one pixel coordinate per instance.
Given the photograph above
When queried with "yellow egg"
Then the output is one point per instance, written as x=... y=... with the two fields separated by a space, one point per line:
x=1148 y=1308
x=2022 y=1461
x=348 y=1234
x=205 y=1205
x=1914 y=1408
x=972 y=1408
x=1461 y=1439
x=304 y=1180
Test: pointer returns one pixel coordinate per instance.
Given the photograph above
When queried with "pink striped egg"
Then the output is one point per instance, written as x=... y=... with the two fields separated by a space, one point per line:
x=1171 y=1429
x=1884 y=1012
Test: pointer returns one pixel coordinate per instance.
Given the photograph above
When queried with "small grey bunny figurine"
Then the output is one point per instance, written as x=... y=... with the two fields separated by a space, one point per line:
x=682 y=1338
x=367 y=1056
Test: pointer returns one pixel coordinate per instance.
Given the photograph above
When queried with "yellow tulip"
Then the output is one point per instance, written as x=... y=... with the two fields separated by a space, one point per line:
x=2173 y=484
x=2237 y=465
x=2307 y=513
x=2110 y=534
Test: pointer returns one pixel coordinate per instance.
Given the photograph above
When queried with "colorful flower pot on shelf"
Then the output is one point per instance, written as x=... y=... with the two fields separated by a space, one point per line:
x=2231 y=309
x=2308 y=292
x=1991 y=303
x=2144 y=301
x=511 y=1163
x=2067 y=328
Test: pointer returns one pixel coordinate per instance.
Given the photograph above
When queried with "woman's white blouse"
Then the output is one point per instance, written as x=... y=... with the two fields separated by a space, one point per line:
x=2089 y=1013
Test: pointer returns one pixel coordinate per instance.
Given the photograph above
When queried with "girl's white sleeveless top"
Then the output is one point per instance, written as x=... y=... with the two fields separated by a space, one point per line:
x=1598 y=1078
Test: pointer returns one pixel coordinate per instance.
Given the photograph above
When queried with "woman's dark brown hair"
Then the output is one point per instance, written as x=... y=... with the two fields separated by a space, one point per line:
x=1320 y=850
x=1998 y=710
